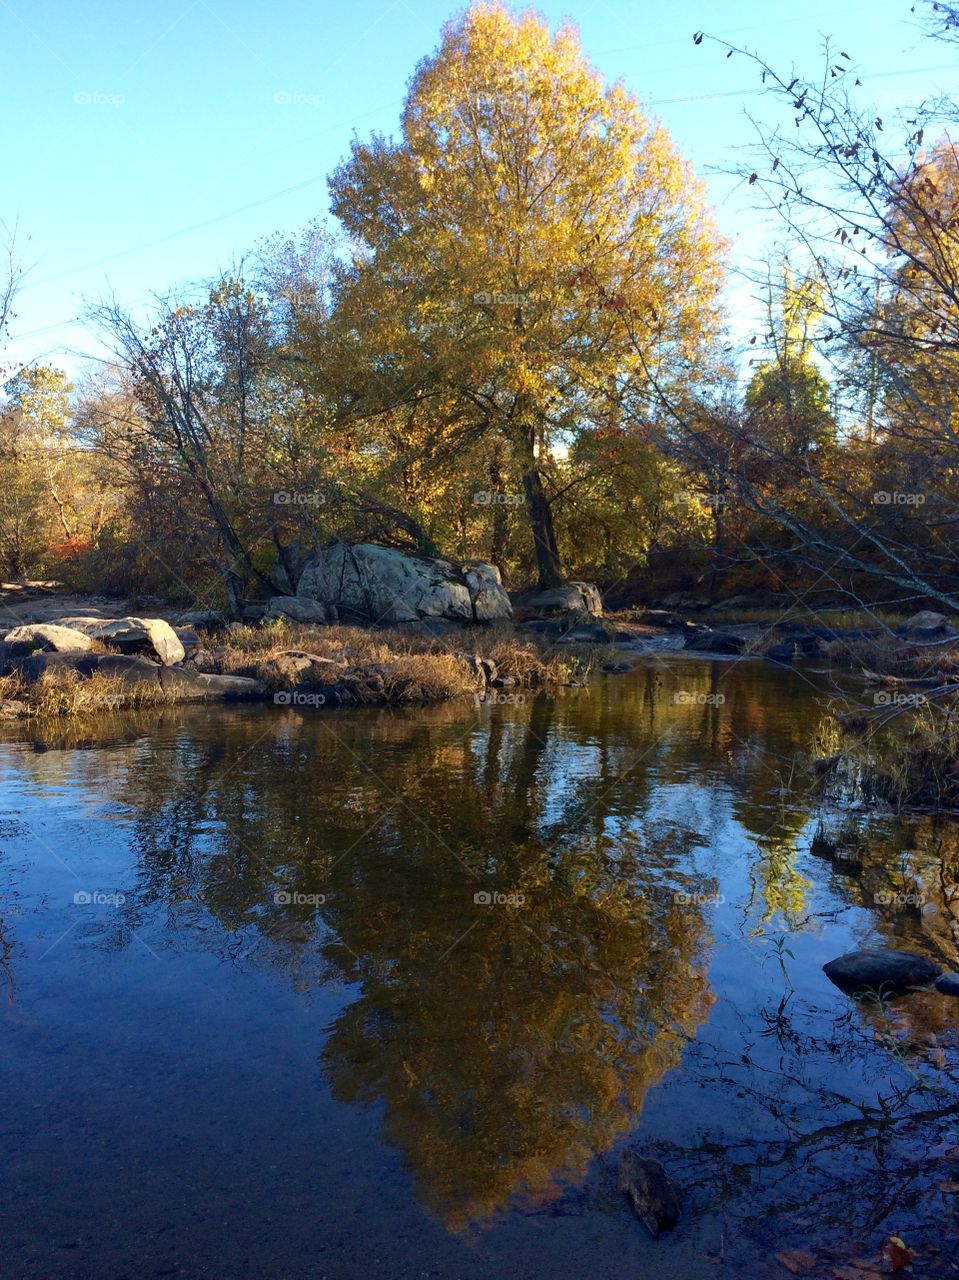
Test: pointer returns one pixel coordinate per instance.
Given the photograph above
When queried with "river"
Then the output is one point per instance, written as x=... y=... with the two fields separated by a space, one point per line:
x=298 y=993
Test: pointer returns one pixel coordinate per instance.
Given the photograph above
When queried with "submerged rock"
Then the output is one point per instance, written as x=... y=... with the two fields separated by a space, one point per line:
x=948 y=984
x=656 y=1199
x=875 y=969
x=722 y=642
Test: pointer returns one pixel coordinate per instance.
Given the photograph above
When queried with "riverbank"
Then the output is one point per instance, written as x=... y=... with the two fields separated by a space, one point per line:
x=288 y=663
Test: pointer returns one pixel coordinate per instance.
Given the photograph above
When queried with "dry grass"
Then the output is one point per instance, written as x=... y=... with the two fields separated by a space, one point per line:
x=439 y=665
x=889 y=656
x=65 y=693
x=911 y=762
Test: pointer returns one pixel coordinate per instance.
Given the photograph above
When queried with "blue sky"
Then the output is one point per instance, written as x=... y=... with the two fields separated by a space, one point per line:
x=148 y=145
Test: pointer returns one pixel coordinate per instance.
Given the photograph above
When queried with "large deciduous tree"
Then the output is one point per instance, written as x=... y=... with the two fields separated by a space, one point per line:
x=525 y=210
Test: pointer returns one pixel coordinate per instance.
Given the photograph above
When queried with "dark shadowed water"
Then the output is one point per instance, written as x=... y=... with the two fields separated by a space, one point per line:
x=384 y=994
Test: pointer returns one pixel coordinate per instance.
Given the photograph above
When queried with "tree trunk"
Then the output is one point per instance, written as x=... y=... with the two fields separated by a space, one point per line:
x=544 y=534
x=500 y=532
x=540 y=513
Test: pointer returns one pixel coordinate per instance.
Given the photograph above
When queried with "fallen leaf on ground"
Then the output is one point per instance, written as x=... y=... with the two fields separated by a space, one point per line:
x=896 y=1253
x=797 y=1261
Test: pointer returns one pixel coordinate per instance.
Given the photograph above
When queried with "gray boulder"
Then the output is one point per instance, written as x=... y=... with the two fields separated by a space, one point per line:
x=135 y=635
x=379 y=584
x=47 y=636
x=876 y=970
x=926 y=623
x=296 y=609
x=571 y=597
x=485 y=586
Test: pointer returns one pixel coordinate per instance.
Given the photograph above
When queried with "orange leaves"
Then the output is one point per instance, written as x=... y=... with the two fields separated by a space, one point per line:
x=896 y=1253
x=895 y=1256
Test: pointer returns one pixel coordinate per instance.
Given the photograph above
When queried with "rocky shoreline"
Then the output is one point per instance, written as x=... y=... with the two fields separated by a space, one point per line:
x=453 y=632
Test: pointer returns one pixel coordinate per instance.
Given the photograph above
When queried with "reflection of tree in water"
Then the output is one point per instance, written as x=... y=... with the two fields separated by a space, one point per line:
x=509 y=1043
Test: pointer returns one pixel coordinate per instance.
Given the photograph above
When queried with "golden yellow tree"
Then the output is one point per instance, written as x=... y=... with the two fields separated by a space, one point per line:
x=531 y=241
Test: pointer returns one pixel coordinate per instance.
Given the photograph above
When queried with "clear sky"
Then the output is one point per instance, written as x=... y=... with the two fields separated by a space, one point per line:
x=145 y=145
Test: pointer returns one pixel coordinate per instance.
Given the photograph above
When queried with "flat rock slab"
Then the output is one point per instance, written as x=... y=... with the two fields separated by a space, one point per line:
x=874 y=970
x=47 y=636
x=138 y=634
x=129 y=670
x=196 y=686
x=122 y=667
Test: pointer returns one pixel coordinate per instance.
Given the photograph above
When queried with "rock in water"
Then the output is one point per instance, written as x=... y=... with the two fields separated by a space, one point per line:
x=948 y=984
x=656 y=1199
x=877 y=970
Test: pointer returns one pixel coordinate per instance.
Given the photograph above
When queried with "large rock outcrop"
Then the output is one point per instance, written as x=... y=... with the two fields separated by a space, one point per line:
x=381 y=585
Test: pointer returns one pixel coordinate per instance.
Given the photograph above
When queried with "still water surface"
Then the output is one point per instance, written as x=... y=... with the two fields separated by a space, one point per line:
x=384 y=994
